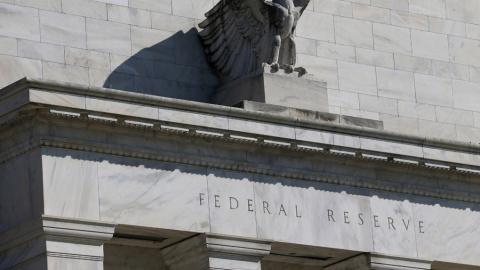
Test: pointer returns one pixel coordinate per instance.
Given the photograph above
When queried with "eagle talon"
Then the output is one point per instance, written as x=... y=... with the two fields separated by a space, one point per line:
x=301 y=70
x=275 y=66
x=287 y=68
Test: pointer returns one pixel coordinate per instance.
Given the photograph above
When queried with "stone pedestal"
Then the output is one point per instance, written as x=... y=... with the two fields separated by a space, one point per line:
x=276 y=88
x=55 y=243
x=207 y=251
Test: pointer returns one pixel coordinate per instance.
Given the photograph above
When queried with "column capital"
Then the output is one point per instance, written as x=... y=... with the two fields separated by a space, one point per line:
x=207 y=251
x=48 y=237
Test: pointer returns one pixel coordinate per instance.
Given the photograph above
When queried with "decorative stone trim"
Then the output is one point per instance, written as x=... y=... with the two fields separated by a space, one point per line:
x=355 y=182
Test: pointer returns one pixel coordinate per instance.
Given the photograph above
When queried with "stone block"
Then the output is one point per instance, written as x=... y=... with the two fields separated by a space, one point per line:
x=8 y=1
x=401 y=5
x=346 y=112
x=395 y=84
x=454 y=116
x=186 y=74
x=65 y=73
x=322 y=69
x=353 y=32
x=390 y=38
x=463 y=10
x=374 y=58
x=233 y=207
x=447 y=27
x=71 y=32
x=416 y=110
x=262 y=129
x=132 y=65
x=335 y=7
x=317 y=26
x=466 y=95
x=25 y=20
x=437 y=130
x=474 y=74
x=189 y=51
x=399 y=226
x=434 y=8
x=85 y=8
x=306 y=46
x=87 y=58
x=451 y=70
x=335 y=51
x=171 y=23
x=75 y=197
x=405 y=125
x=433 y=90
x=128 y=15
x=378 y=104
x=277 y=88
x=115 y=2
x=357 y=78
x=343 y=99
x=413 y=64
x=163 y=6
x=430 y=45
x=108 y=79
x=108 y=37
x=54 y=5
x=371 y=13
x=191 y=8
x=468 y=134
x=179 y=116
x=18 y=68
x=153 y=44
x=56 y=98
x=464 y=51
x=476 y=119
x=472 y=31
x=41 y=51
x=141 y=194
x=409 y=20
x=8 y=46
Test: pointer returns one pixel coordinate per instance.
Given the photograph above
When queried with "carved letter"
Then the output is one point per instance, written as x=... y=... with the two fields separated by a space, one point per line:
x=282 y=210
x=375 y=221
x=296 y=212
x=420 y=227
x=201 y=198
x=236 y=202
x=330 y=215
x=250 y=205
x=406 y=225
x=390 y=222
x=216 y=200
x=265 y=207
x=361 y=219
x=345 y=217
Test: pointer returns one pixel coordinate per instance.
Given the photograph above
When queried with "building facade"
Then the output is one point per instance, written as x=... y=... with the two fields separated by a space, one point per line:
x=112 y=155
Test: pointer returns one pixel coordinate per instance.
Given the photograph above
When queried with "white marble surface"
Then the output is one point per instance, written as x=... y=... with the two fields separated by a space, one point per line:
x=153 y=194
x=75 y=196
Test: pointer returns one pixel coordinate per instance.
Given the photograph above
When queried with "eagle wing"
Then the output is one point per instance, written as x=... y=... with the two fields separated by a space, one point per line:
x=234 y=33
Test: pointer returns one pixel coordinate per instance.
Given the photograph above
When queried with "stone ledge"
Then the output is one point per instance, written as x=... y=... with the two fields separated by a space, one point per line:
x=309 y=114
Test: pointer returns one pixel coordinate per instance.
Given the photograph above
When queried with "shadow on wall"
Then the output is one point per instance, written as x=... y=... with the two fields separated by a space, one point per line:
x=176 y=68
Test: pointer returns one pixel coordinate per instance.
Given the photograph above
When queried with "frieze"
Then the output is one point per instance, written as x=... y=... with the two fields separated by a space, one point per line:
x=43 y=141
x=333 y=217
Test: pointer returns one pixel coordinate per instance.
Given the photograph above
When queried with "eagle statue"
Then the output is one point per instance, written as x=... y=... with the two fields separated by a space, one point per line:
x=241 y=36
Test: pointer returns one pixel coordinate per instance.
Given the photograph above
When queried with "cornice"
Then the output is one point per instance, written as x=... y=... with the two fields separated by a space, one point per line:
x=355 y=182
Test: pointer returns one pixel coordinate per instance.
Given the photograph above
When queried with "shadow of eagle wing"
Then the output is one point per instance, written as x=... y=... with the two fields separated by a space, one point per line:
x=234 y=34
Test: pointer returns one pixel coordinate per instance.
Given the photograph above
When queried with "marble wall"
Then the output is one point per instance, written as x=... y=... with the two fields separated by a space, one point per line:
x=413 y=64
x=154 y=194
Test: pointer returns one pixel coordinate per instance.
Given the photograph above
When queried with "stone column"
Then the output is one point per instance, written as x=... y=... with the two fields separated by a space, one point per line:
x=209 y=251
x=55 y=243
x=380 y=262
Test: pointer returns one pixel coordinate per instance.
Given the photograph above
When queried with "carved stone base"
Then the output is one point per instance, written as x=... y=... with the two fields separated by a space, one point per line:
x=277 y=88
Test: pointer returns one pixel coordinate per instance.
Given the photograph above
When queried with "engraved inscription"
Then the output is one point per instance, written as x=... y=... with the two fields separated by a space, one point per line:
x=344 y=217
